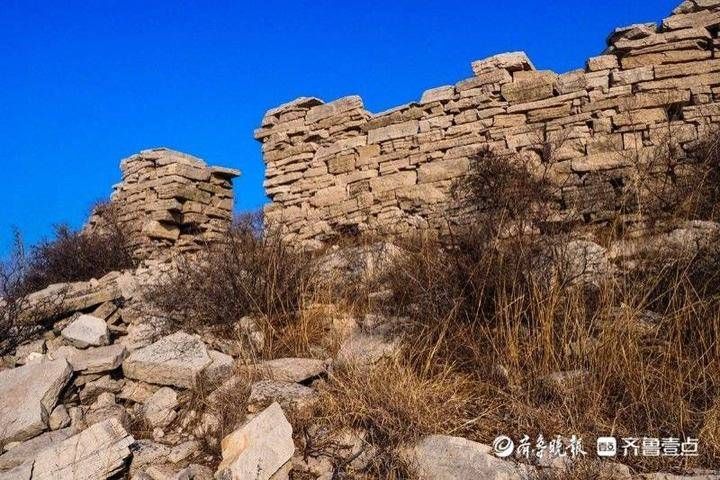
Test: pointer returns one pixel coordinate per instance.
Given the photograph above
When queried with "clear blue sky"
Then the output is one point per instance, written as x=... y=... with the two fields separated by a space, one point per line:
x=84 y=84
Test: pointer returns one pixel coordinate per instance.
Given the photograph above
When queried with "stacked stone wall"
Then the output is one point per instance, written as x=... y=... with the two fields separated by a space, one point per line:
x=169 y=201
x=334 y=166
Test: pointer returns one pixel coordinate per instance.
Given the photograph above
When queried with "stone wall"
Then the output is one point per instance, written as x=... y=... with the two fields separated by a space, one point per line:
x=335 y=166
x=169 y=199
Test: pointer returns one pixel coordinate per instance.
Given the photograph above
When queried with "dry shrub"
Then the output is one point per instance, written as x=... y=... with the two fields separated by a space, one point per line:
x=72 y=256
x=12 y=303
x=251 y=273
x=504 y=192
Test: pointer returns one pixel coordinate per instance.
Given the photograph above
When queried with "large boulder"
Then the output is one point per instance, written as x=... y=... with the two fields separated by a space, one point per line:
x=175 y=360
x=96 y=453
x=259 y=448
x=440 y=457
x=29 y=394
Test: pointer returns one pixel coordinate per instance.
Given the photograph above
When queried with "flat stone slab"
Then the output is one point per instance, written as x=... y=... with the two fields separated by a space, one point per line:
x=175 y=360
x=290 y=369
x=29 y=394
x=87 y=331
x=287 y=394
x=95 y=453
x=29 y=449
x=440 y=457
x=92 y=360
x=259 y=448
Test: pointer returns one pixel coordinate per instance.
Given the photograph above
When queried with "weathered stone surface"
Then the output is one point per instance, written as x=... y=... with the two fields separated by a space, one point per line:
x=391 y=132
x=289 y=369
x=159 y=409
x=529 y=87
x=512 y=62
x=259 y=448
x=440 y=457
x=175 y=360
x=603 y=62
x=29 y=394
x=92 y=360
x=59 y=418
x=96 y=453
x=363 y=349
x=288 y=395
x=21 y=472
x=87 y=331
x=28 y=450
x=221 y=367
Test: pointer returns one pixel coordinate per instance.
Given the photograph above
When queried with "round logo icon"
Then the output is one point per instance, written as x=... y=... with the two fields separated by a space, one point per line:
x=503 y=446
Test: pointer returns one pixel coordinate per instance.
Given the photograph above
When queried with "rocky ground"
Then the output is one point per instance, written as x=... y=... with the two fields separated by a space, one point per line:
x=112 y=390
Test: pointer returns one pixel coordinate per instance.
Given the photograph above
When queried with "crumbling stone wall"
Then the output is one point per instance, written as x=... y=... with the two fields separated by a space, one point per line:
x=335 y=166
x=169 y=201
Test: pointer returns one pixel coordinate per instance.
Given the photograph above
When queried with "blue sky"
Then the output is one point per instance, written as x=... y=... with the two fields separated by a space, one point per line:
x=84 y=84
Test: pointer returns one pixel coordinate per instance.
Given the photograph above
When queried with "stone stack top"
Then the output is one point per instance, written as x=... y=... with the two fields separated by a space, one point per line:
x=170 y=199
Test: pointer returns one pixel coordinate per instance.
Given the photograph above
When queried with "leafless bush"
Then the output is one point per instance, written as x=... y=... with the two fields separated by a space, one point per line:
x=12 y=303
x=72 y=256
x=249 y=274
x=502 y=190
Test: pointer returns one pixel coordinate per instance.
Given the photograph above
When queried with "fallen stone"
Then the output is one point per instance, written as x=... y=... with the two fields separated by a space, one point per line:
x=92 y=360
x=159 y=409
x=29 y=394
x=440 y=457
x=259 y=448
x=184 y=451
x=175 y=360
x=103 y=384
x=288 y=369
x=363 y=349
x=288 y=395
x=147 y=452
x=96 y=453
x=87 y=331
x=136 y=392
x=27 y=450
x=23 y=351
x=220 y=369
x=143 y=333
x=59 y=418
x=195 y=472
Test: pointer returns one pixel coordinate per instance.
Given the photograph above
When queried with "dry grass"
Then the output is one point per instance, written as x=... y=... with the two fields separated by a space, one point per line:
x=476 y=318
